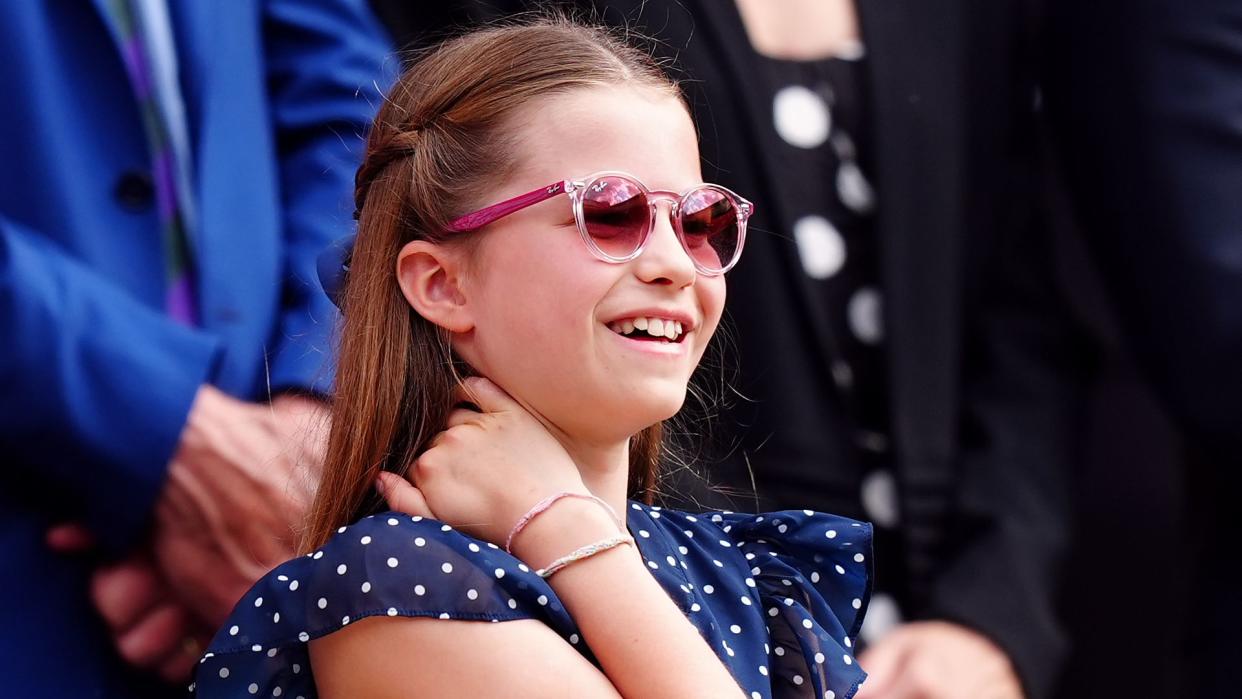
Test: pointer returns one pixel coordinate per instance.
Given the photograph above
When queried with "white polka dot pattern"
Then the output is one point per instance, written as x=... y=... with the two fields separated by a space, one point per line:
x=801 y=117
x=737 y=576
x=864 y=315
x=820 y=246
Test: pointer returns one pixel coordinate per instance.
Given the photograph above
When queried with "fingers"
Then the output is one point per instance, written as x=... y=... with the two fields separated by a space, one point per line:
x=482 y=392
x=401 y=496
x=883 y=663
x=70 y=538
x=126 y=592
x=461 y=416
x=155 y=637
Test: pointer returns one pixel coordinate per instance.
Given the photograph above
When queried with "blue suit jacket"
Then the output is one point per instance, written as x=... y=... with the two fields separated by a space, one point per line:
x=95 y=380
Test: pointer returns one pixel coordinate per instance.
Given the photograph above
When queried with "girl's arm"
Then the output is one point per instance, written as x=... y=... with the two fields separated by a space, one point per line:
x=645 y=644
x=382 y=657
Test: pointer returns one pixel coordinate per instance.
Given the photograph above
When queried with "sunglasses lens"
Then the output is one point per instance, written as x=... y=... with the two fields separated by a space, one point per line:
x=616 y=214
x=709 y=224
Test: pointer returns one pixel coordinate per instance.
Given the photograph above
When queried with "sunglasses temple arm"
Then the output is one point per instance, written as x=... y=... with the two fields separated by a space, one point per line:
x=482 y=217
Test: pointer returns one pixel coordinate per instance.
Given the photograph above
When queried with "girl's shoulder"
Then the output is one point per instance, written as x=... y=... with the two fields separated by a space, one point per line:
x=387 y=564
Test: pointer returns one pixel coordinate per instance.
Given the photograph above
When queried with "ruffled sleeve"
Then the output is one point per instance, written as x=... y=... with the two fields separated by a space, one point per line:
x=812 y=572
x=385 y=565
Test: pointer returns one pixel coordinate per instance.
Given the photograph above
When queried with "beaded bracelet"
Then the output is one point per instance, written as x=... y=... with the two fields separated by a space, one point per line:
x=584 y=553
x=543 y=505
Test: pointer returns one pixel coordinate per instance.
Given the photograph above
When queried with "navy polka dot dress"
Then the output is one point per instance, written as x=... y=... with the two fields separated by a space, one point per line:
x=779 y=596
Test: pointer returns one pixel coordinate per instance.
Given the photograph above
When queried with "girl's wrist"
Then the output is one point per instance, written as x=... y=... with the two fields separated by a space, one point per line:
x=566 y=525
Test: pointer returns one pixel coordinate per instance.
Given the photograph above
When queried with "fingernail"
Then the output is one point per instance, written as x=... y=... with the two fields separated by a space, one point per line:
x=379 y=485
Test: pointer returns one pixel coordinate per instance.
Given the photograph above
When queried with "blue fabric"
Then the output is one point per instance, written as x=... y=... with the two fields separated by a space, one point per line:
x=779 y=597
x=95 y=380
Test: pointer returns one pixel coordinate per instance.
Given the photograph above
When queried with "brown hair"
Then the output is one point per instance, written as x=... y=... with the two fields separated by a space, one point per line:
x=441 y=137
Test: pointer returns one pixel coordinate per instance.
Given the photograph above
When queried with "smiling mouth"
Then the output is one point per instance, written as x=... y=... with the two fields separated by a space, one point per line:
x=649 y=329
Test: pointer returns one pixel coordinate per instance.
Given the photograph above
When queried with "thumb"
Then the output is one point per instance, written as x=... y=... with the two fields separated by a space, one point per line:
x=70 y=538
x=883 y=663
x=401 y=495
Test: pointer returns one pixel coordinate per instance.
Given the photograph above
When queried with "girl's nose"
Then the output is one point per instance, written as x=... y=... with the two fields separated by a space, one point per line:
x=664 y=259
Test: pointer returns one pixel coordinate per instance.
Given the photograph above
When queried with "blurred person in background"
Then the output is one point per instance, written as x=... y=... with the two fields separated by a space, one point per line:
x=904 y=355
x=170 y=173
x=1146 y=101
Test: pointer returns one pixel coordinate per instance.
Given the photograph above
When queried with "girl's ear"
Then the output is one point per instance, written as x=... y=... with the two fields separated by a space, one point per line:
x=430 y=279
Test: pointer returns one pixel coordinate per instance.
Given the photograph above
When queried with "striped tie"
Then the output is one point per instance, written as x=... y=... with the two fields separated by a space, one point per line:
x=159 y=100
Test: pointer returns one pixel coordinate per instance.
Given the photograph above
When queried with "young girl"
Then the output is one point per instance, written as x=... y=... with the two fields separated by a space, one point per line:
x=532 y=211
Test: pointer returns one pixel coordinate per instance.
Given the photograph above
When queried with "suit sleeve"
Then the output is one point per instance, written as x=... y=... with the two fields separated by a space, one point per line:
x=327 y=63
x=1146 y=115
x=94 y=385
x=1024 y=368
x=1010 y=524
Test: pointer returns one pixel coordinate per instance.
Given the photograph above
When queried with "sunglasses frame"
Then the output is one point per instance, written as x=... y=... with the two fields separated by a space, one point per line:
x=576 y=189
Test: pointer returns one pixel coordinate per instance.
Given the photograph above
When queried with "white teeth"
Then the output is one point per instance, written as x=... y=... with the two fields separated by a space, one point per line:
x=661 y=328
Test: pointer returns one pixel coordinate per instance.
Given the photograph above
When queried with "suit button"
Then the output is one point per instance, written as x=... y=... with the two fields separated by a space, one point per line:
x=134 y=190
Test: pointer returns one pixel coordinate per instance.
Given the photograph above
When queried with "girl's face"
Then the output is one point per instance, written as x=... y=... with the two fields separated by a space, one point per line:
x=546 y=312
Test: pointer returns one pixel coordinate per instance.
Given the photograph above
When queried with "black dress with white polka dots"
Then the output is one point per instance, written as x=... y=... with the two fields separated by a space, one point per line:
x=779 y=597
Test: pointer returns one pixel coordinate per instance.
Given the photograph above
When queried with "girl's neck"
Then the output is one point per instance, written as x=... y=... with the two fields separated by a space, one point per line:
x=605 y=469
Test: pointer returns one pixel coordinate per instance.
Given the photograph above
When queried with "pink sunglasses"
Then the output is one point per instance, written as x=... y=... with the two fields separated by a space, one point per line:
x=616 y=213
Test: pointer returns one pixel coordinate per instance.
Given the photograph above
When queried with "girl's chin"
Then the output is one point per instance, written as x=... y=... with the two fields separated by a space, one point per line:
x=635 y=415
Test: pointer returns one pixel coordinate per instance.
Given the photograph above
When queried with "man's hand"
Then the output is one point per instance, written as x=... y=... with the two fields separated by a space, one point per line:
x=151 y=629
x=937 y=660
x=238 y=485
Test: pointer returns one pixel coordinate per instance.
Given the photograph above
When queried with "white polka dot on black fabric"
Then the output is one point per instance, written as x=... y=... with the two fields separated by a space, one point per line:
x=801 y=117
x=864 y=314
x=853 y=188
x=879 y=498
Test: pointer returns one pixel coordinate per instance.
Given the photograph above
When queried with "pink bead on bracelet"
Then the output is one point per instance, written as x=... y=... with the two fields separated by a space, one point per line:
x=543 y=505
x=583 y=553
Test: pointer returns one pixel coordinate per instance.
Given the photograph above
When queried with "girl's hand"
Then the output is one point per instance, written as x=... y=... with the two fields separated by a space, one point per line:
x=487 y=469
